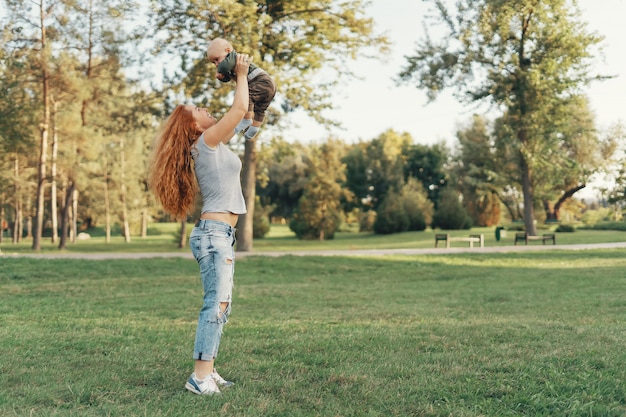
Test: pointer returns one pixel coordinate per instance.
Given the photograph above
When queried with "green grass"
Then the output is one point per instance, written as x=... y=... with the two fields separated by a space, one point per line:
x=476 y=334
x=162 y=238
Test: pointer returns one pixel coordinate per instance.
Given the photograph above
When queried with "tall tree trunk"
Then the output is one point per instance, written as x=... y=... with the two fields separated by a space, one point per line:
x=65 y=214
x=529 y=209
x=89 y=66
x=107 y=204
x=123 y=192
x=183 y=234
x=41 y=175
x=144 y=223
x=17 y=198
x=3 y=223
x=70 y=219
x=322 y=222
x=248 y=180
x=522 y=137
x=18 y=223
x=53 y=177
x=125 y=221
x=74 y=217
x=27 y=225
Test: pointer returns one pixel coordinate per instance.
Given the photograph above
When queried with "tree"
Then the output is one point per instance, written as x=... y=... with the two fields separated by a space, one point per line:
x=451 y=215
x=391 y=216
x=616 y=193
x=582 y=153
x=107 y=110
x=41 y=63
x=359 y=176
x=18 y=127
x=377 y=167
x=296 y=41
x=524 y=57
x=406 y=210
x=426 y=163
x=485 y=162
x=417 y=206
x=74 y=51
x=282 y=176
x=478 y=166
x=319 y=213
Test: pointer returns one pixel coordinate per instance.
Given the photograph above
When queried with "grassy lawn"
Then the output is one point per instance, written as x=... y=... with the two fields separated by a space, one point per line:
x=162 y=238
x=476 y=334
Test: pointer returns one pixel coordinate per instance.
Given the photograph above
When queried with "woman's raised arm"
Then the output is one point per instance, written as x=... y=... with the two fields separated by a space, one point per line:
x=224 y=129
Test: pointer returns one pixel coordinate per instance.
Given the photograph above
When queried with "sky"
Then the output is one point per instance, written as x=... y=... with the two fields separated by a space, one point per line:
x=405 y=108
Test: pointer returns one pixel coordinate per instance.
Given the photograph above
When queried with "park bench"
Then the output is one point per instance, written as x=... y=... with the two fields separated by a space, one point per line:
x=480 y=239
x=525 y=237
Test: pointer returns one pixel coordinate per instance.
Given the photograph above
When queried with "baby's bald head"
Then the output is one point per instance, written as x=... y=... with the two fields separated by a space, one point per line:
x=218 y=49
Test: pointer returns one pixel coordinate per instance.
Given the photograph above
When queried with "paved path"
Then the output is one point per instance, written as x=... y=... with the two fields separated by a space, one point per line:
x=355 y=252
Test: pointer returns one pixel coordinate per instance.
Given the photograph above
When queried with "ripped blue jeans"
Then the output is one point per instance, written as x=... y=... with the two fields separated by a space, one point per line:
x=212 y=244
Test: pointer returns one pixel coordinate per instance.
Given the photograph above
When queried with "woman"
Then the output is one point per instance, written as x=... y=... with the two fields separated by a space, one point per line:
x=191 y=153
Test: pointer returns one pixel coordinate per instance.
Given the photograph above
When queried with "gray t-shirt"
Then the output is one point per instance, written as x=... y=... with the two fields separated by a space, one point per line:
x=218 y=173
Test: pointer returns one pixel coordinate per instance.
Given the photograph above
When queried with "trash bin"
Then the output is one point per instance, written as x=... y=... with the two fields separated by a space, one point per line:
x=499 y=232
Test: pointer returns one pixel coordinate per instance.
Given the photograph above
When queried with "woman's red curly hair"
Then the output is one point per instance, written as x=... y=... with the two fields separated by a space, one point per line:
x=171 y=177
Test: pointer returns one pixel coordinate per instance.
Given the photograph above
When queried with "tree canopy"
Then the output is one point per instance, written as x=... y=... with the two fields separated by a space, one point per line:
x=527 y=59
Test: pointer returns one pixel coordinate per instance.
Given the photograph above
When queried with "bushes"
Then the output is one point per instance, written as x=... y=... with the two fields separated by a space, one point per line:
x=315 y=220
x=417 y=206
x=261 y=223
x=566 y=228
x=450 y=214
x=391 y=217
x=410 y=210
x=620 y=226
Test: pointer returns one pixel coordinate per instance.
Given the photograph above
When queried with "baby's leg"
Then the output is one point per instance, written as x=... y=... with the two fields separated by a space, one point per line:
x=245 y=122
x=252 y=130
x=262 y=91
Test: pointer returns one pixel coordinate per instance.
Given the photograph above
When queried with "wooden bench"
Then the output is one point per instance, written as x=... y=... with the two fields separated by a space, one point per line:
x=480 y=239
x=525 y=237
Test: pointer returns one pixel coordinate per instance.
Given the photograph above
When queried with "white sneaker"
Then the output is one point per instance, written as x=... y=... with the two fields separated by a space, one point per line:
x=206 y=386
x=221 y=381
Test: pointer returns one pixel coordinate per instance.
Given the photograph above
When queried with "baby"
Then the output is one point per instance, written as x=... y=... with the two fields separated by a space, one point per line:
x=261 y=86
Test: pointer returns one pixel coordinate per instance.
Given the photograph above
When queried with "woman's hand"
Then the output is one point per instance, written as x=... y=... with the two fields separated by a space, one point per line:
x=243 y=63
